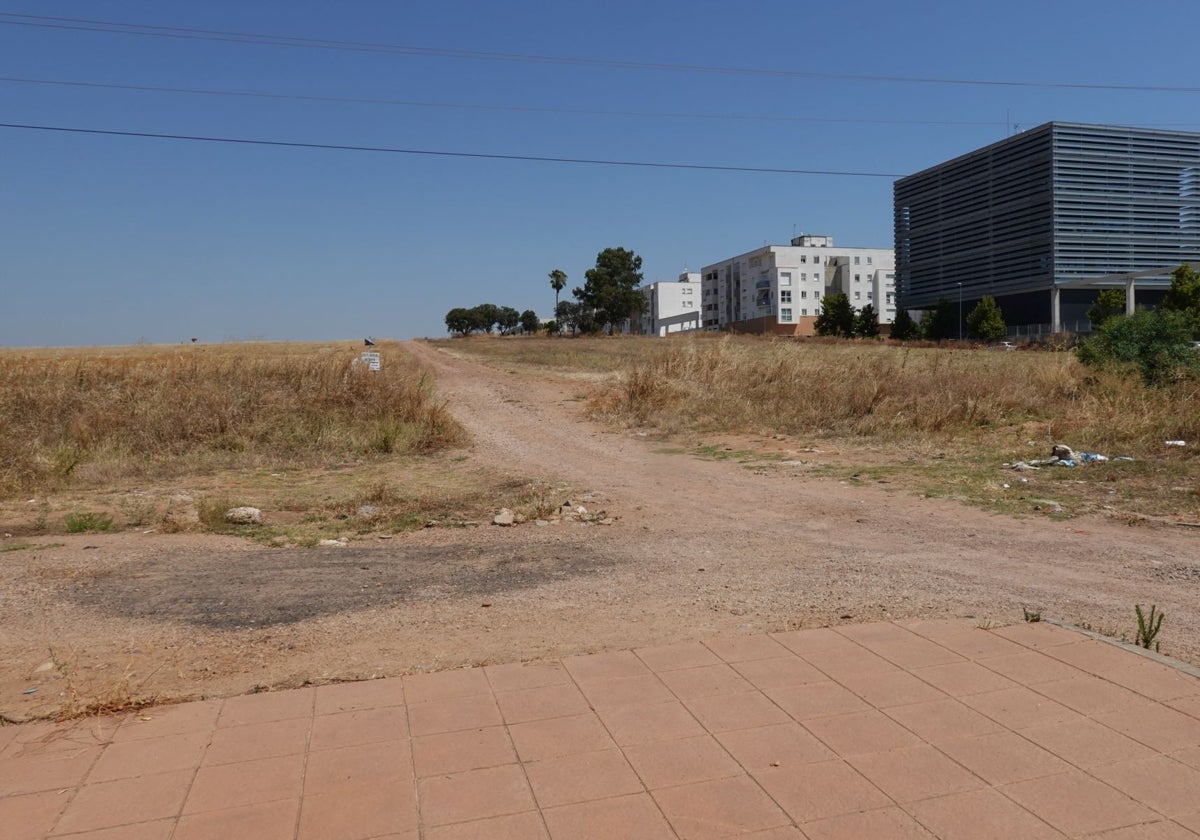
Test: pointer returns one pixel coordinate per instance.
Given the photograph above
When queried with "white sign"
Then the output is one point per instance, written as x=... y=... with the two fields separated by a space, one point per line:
x=371 y=360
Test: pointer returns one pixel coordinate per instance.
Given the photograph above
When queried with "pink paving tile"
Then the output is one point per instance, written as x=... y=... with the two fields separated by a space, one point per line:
x=261 y=821
x=125 y=801
x=245 y=783
x=1086 y=744
x=51 y=772
x=1162 y=830
x=861 y=732
x=1156 y=681
x=365 y=694
x=881 y=824
x=1004 y=757
x=1093 y=656
x=31 y=815
x=726 y=712
x=258 y=740
x=581 y=778
x=814 y=700
x=644 y=724
x=942 y=720
x=261 y=708
x=466 y=682
x=746 y=648
x=1031 y=668
x=674 y=657
x=973 y=642
x=980 y=815
x=891 y=689
x=689 y=760
x=151 y=755
x=1155 y=725
x=346 y=729
x=526 y=826
x=1191 y=822
x=385 y=764
x=634 y=817
x=872 y=632
x=704 y=681
x=605 y=666
x=548 y=701
x=357 y=814
x=1038 y=635
x=804 y=642
x=1076 y=803
x=1019 y=708
x=474 y=795
x=960 y=679
x=914 y=652
x=542 y=739
x=626 y=691
x=785 y=745
x=914 y=773
x=718 y=809
x=518 y=676
x=156 y=830
x=860 y=662
x=167 y=720
x=469 y=749
x=783 y=832
x=1187 y=705
x=778 y=672
x=1165 y=785
x=821 y=790
x=454 y=714
x=1088 y=695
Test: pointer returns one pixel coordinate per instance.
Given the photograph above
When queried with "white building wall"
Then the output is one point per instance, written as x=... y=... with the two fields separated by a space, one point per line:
x=673 y=307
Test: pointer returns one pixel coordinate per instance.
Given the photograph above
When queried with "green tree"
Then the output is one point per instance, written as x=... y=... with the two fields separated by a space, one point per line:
x=611 y=288
x=460 y=320
x=836 y=316
x=1184 y=295
x=507 y=319
x=486 y=316
x=1157 y=344
x=904 y=328
x=986 y=321
x=866 y=322
x=941 y=322
x=1109 y=304
x=558 y=280
x=529 y=321
x=576 y=317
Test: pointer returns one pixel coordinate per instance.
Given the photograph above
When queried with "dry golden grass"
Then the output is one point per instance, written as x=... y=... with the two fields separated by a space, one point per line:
x=93 y=416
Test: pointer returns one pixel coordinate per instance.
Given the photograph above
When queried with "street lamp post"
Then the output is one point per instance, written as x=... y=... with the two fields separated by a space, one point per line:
x=960 y=310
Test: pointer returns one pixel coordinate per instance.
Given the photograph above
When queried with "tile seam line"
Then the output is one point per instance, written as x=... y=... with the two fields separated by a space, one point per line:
x=412 y=760
x=83 y=780
x=513 y=744
x=1153 y=656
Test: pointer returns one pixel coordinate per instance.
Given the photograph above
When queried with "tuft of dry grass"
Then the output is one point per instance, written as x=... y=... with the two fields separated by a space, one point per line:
x=89 y=417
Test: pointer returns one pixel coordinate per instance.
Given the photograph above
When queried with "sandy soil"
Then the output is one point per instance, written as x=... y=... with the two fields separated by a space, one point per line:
x=700 y=548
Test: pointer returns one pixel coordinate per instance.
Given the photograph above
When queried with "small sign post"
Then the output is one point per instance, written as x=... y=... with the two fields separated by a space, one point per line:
x=371 y=359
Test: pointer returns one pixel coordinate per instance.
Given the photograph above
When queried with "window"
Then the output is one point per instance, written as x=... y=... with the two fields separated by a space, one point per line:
x=785 y=314
x=804 y=312
x=803 y=258
x=856 y=260
x=868 y=295
x=785 y=278
x=869 y=260
x=816 y=295
x=857 y=278
x=858 y=295
x=803 y=293
x=785 y=296
x=687 y=291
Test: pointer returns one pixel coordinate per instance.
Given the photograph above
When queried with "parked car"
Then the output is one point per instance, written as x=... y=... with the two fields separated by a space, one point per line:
x=1004 y=345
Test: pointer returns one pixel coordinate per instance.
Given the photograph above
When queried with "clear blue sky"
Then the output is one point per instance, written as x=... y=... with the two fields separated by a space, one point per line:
x=112 y=240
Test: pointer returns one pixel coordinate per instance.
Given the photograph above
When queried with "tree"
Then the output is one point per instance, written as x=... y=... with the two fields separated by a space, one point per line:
x=941 y=322
x=986 y=321
x=558 y=279
x=1109 y=304
x=460 y=320
x=836 y=316
x=866 y=322
x=507 y=319
x=611 y=288
x=486 y=315
x=1157 y=344
x=529 y=321
x=576 y=317
x=904 y=328
x=1184 y=295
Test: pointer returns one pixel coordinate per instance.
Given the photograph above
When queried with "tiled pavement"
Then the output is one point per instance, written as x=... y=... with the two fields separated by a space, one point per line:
x=875 y=731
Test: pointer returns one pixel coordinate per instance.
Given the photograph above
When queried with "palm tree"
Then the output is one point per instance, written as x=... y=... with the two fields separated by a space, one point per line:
x=558 y=279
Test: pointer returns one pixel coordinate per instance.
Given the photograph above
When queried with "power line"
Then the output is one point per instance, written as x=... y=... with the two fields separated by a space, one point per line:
x=256 y=38
x=413 y=103
x=294 y=144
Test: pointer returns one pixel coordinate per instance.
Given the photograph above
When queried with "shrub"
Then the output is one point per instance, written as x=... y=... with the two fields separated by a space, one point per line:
x=1157 y=344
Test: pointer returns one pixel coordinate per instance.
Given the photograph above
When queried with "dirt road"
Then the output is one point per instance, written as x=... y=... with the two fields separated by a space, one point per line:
x=700 y=548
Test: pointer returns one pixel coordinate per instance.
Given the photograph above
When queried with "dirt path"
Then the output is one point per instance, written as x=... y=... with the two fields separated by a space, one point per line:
x=700 y=548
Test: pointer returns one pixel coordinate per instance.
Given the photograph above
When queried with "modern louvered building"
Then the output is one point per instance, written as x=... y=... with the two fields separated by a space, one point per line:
x=1044 y=219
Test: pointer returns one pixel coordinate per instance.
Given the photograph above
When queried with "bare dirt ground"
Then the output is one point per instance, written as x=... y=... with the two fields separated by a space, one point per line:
x=699 y=548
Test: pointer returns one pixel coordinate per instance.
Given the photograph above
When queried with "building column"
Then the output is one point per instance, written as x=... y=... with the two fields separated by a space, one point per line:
x=1055 y=309
x=1129 y=306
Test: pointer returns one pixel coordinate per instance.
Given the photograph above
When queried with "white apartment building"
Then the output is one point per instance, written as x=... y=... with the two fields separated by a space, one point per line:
x=672 y=306
x=778 y=288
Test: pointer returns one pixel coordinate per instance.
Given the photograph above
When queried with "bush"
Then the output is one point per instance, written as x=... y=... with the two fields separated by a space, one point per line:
x=1157 y=344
